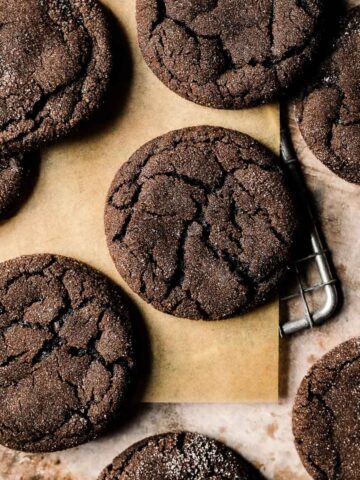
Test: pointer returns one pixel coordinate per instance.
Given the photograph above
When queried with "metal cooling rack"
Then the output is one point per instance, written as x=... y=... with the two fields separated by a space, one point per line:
x=310 y=290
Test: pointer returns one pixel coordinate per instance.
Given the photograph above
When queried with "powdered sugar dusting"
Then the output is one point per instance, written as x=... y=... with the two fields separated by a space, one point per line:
x=180 y=456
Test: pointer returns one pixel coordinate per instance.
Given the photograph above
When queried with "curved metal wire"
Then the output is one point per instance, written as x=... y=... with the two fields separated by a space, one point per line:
x=318 y=254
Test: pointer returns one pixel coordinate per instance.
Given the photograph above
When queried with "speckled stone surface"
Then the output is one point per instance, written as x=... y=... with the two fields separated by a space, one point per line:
x=262 y=433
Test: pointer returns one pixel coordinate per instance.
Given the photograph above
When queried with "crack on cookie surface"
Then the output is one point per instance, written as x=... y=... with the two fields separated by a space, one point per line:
x=228 y=54
x=177 y=456
x=328 y=111
x=325 y=415
x=199 y=223
x=59 y=73
x=66 y=353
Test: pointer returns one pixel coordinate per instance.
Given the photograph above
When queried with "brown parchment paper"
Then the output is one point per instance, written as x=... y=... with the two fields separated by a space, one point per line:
x=228 y=361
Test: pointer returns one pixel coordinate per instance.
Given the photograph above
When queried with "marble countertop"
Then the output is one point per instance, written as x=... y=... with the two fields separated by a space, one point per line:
x=262 y=433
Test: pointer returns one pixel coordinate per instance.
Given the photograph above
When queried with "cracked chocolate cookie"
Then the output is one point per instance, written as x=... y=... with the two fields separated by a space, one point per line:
x=179 y=456
x=66 y=353
x=326 y=415
x=14 y=176
x=55 y=67
x=229 y=53
x=329 y=111
x=200 y=223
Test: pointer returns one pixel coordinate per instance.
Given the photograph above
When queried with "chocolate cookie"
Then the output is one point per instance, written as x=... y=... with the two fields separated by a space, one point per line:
x=179 y=456
x=229 y=53
x=55 y=67
x=66 y=353
x=326 y=415
x=199 y=222
x=14 y=176
x=329 y=110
